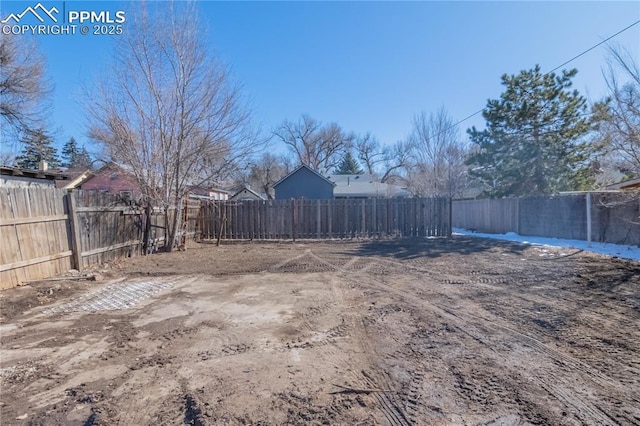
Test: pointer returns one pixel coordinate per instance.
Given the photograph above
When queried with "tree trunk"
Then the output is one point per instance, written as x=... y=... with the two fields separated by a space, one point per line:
x=175 y=224
x=147 y=228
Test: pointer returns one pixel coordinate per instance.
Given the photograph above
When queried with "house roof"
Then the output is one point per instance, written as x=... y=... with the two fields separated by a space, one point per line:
x=205 y=190
x=76 y=178
x=627 y=184
x=246 y=188
x=54 y=174
x=365 y=186
x=302 y=166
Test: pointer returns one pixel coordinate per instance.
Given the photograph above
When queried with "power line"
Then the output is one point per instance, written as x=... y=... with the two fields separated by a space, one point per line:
x=593 y=47
x=548 y=72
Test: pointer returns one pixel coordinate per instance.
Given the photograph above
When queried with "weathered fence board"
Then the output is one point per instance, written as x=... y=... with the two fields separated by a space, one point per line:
x=338 y=218
x=493 y=216
x=33 y=231
x=107 y=228
x=47 y=231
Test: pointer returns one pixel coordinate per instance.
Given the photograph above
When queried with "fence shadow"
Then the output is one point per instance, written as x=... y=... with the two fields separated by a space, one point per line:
x=412 y=248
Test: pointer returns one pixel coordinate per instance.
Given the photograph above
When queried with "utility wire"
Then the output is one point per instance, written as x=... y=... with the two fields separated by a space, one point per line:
x=593 y=47
x=548 y=72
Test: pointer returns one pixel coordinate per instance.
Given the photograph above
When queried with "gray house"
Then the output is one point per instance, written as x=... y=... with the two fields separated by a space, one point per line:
x=304 y=182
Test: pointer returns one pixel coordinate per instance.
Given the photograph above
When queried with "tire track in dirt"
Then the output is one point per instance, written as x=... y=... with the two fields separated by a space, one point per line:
x=376 y=378
x=572 y=362
x=351 y=327
x=469 y=323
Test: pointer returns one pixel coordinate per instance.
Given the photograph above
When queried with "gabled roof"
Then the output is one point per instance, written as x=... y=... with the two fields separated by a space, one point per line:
x=76 y=178
x=111 y=165
x=302 y=166
x=246 y=188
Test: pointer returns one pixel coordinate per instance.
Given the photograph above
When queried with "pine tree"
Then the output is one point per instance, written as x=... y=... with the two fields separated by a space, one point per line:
x=75 y=157
x=69 y=152
x=82 y=160
x=37 y=148
x=533 y=141
x=349 y=166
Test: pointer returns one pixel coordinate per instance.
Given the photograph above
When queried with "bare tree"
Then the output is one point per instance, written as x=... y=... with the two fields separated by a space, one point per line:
x=319 y=146
x=618 y=116
x=266 y=171
x=369 y=153
x=168 y=111
x=387 y=162
x=23 y=88
x=438 y=154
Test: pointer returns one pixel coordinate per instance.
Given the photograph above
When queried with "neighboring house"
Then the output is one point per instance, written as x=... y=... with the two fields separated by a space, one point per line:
x=246 y=193
x=76 y=177
x=208 y=193
x=626 y=185
x=303 y=182
x=365 y=186
x=14 y=177
x=113 y=179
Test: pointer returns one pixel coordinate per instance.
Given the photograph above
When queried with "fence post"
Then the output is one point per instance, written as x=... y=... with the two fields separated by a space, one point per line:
x=293 y=219
x=329 y=214
x=222 y=211
x=588 y=203
x=363 y=222
x=450 y=224
x=76 y=245
x=518 y=216
x=318 y=219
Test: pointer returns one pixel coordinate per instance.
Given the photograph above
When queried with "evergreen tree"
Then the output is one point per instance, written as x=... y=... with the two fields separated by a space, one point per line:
x=533 y=141
x=70 y=151
x=37 y=147
x=82 y=160
x=349 y=166
x=75 y=157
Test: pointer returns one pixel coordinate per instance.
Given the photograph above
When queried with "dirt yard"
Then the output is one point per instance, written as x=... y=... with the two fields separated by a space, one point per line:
x=440 y=331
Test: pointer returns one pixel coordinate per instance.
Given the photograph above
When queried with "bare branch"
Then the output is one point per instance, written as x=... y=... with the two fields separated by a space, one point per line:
x=23 y=87
x=438 y=153
x=314 y=144
x=618 y=117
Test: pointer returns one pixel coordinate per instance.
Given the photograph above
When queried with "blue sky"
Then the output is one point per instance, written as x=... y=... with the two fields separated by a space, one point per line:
x=369 y=66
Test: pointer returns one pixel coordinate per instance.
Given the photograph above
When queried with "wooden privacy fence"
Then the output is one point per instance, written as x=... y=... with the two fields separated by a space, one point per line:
x=336 y=218
x=46 y=232
x=35 y=235
x=596 y=216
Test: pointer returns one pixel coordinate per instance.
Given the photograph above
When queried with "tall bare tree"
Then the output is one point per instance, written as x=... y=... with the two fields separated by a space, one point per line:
x=319 y=146
x=439 y=156
x=167 y=110
x=387 y=162
x=266 y=171
x=24 y=90
x=618 y=116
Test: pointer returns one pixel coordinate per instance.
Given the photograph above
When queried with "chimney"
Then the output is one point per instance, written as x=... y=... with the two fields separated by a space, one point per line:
x=43 y=166
x=348 y=181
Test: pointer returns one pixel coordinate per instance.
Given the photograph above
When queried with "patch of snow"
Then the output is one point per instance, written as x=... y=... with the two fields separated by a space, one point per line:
x=608 y=249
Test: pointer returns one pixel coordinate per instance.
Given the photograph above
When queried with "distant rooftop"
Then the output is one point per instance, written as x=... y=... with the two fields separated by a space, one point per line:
x=365 y=186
